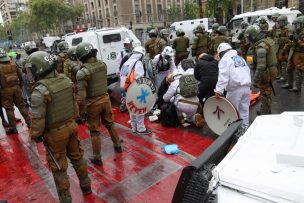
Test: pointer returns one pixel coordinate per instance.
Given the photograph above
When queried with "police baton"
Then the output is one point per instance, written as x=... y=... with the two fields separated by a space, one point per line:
x=50 y=153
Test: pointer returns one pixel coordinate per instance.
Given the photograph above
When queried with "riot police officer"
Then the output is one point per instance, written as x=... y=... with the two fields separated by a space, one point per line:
x=244 y=46
x=265 y=66
x=92 y=83
x=70 y=68
x=282 y=36
x=296 y=57
x=215 y=26
x=201 y=41
x=53 y=120
x=180 y=45
x=62 y=56
x=10 y=82
x=150 y=44
x=161 y=42
x=263 y=25
x=219 y=38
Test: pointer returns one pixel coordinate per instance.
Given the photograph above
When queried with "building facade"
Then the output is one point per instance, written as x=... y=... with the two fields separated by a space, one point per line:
x=138 y=15
x=10 y=8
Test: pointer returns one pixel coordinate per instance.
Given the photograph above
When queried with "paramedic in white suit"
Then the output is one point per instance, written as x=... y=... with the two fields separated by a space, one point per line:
x=234 y=77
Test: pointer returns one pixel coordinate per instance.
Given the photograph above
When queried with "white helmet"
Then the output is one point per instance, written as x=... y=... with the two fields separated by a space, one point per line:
x=127 y=40
x=168 y=51
x=223 y=47
x=139 y=49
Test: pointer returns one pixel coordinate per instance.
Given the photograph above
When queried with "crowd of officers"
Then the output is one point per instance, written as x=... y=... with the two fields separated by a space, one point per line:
x=58 y=100
x=80 y=93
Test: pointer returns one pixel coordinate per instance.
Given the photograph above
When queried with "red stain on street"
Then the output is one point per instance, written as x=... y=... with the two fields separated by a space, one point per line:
x=142 y=173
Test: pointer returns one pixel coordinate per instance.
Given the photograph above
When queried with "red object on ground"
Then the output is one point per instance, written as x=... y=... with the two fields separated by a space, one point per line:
x=254 y=97
x=142 y=173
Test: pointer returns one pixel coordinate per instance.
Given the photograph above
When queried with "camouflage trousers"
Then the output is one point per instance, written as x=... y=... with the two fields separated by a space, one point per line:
x=10 y=97
x=100 y=110
x=180 y=56
x=64 y=143
x=265 y=99
x=296 y=64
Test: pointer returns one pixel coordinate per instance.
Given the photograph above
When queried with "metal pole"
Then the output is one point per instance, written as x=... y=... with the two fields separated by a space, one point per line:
x=251 y=5
x=242 y=6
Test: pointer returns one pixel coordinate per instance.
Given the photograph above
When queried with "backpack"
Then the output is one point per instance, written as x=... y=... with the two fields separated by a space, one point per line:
x=162 y=67
x=168 y=116
x=188 y=86
x=123 y=60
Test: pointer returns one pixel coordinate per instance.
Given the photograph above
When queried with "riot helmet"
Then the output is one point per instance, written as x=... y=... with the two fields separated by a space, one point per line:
x=72 y=53
x=252 y=33
x=153 y=33
x=282 y=20
x=274 y=17
x=180 y=32
x=3 y=57
x=85 y=50
x=215 y=26
x=63 y=46
x=164 y=33
x=222 y=29
x=298 y=23
x=40 y=63
x=30 y=48
x=200 y=28
x=262 y=20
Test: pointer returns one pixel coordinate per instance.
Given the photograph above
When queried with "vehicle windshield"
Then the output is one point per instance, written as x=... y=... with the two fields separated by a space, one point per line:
x=235 y=24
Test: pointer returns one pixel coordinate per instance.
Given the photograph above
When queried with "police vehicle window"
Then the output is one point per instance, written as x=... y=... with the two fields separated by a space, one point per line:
x=249 y=20
x=236 y=24
x=192 y=22
x=76 y=41
x=253 y=19
x=201 y=21
x=111 y=38
x=269 y=18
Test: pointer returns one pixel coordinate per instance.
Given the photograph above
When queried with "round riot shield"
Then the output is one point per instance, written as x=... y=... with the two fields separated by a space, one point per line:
x=219 y=113
x=141 y=96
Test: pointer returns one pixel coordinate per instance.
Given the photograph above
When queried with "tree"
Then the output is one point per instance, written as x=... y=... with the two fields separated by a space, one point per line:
x=174 y=14
x=221 y=10
x=190 y=10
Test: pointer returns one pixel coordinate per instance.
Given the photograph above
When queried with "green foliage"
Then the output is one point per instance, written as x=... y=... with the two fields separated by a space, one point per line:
x=43 y=16
x=190 y=10
x=174 y=14
x=214 y=6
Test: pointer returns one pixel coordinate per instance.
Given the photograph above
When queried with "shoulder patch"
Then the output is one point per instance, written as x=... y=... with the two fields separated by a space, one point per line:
x=37 y=98
x=42 y=89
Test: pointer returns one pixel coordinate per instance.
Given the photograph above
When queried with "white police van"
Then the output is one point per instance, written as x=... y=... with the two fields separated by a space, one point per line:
x=188 y=25
x=108 y=42
x=234 y=25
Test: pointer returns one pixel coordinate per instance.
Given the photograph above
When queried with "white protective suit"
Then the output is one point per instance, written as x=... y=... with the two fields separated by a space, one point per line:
x=173 y=96
x=135 y=61
x=234 y=76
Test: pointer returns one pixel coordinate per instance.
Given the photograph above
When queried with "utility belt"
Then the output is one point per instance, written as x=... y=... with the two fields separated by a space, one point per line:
x=57 y=126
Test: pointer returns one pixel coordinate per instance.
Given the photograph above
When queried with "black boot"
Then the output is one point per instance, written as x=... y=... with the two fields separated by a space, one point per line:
x=11 y=131
x=96 y=162
x=86 y=190
x=118 y=149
